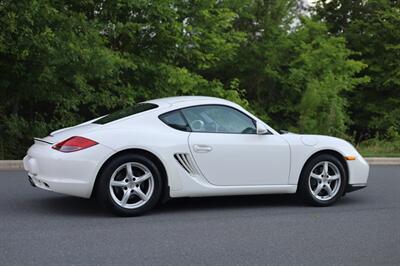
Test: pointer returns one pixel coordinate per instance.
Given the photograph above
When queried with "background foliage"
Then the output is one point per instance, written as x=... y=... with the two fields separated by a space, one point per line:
x=334 y=69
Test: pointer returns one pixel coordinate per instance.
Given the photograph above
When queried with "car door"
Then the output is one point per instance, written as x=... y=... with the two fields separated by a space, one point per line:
x=228 y=151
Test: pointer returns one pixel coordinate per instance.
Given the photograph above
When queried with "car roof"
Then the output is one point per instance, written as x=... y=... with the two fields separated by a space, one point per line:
x=187 y=99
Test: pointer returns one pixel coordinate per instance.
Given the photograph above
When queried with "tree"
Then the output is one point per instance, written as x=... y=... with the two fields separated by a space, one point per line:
x=324 y=72
x=54 y=70
x=372 y=31
x=294 y=74
x=65 y=62
x=263 y=58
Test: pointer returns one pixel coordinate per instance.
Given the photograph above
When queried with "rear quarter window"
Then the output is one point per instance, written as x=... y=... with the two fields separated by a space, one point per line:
x=175 y=120
x=135 y=109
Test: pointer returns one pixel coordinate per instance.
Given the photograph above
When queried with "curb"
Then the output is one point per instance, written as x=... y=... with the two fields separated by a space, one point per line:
x=11 y=165
x=383 y=161
x=7 y=165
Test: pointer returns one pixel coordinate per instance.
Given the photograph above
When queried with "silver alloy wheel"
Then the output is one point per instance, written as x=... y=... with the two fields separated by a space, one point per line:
x=324 y=180
x=131 y=185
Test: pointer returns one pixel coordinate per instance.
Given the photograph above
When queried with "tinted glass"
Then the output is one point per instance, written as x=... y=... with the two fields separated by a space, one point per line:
x=218 y=119
x=175 y=119
x=138 y=108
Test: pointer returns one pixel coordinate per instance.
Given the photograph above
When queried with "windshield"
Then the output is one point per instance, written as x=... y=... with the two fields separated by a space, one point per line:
x=131 y=110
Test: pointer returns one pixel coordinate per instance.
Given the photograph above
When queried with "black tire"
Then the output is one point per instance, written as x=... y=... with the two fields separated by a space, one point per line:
x=102 y=189
x=304 y=190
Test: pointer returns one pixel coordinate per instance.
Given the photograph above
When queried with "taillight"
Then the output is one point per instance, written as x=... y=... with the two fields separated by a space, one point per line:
x=74 y=144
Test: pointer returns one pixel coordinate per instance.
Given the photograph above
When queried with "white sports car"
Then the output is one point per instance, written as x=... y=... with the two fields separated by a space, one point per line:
x=190 y=147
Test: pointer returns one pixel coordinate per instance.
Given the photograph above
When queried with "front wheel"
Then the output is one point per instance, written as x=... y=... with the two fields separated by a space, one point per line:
x=129 y=185
x=322 y=180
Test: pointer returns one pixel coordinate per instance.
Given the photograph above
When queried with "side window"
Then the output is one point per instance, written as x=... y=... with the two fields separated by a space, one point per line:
x=218 y=119
x=175 y=120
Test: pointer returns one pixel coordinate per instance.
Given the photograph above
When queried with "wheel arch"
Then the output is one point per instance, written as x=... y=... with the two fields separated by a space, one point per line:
x=149 y=155
x=334 y=153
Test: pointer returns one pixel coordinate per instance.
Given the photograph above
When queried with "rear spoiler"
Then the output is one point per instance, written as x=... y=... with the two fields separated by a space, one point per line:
x=82 y=124
x=42 y=140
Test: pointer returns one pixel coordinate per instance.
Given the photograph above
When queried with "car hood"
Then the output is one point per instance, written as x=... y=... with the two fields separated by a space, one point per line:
x=318 y=141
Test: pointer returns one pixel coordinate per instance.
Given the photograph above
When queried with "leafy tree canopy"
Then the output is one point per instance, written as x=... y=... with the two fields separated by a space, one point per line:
x=331 y=72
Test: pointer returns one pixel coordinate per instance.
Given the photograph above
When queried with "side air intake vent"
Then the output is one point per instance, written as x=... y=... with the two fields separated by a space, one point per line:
x=186 y=162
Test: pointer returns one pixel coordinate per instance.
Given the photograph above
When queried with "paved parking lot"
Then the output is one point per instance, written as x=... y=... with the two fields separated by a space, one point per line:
x=39 y=227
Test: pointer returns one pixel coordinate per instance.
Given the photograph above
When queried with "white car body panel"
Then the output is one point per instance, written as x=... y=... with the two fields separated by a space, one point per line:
x=300 y=153
x=64 y=172
x=275 y=161
x=228 y=163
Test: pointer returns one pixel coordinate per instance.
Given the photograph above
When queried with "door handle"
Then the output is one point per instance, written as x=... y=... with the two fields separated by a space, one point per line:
x=202 y=148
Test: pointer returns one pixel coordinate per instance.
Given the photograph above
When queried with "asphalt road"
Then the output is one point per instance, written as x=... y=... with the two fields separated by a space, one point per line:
x=39 y=227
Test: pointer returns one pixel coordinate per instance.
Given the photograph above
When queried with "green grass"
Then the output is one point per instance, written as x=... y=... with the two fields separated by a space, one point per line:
x=379 y=148
x=377 y=154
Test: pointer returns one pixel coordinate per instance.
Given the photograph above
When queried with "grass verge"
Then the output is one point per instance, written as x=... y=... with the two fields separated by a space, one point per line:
x=379 y=148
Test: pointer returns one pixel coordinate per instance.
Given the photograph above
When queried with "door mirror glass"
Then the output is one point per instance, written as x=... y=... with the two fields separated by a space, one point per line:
x=262 y=129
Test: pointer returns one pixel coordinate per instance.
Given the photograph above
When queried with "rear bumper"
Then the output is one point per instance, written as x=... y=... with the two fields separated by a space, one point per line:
x=67 y=173
x=31 y=181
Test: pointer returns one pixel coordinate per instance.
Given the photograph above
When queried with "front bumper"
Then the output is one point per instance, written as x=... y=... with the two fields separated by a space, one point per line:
x=67 y=173
x=358 y=171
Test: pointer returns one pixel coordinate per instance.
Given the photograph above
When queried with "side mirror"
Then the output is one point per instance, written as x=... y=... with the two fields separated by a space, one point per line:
x=261 y=129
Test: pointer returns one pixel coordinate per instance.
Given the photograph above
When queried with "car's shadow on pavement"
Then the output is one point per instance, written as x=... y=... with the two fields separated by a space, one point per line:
x=230 y=202
x=72 y=206
x=251 y=202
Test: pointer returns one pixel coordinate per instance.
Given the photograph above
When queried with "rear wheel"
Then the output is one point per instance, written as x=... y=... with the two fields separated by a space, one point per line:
x=322 y=180
x=129 y=185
